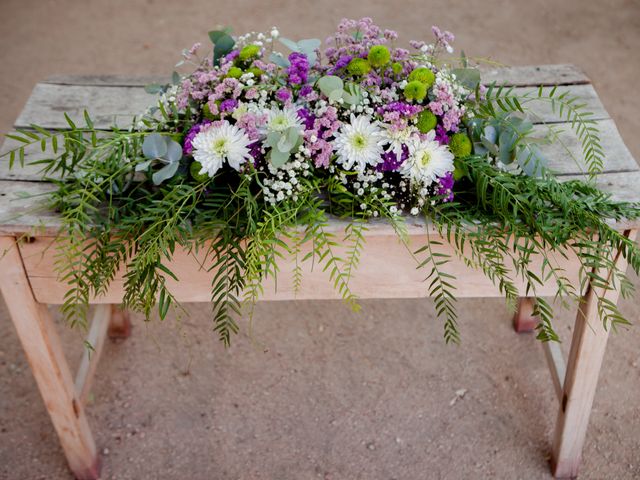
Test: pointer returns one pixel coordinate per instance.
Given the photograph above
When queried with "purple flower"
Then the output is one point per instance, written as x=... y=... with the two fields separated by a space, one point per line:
x=191 y=134
x=231 y=55
x=446 y=187
x=298 y=71
x=341 y=63
x=255 y=150
x=228 y=105
x=441 y=135
x=307 y=118
x=403 y=108
x=305 y=91
x=390 y=162
x=283 y=94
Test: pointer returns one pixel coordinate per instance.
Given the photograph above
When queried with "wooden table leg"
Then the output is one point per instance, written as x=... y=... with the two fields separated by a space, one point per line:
x=585 y=359
x=44 y=352
x=523 y=319
x=120 y=324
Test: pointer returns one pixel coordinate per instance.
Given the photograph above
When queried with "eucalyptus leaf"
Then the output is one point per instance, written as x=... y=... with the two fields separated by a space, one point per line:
x=174 y=151
x=288 y=140
x=290 y=44
x=329 y=84
x=278 y=158
x=308 y=47
x=273 y=138
x=143 y=166
x=165 y=173
x=214 y=35
x=175 y=78
x=154 y=146
x=490 y=133
x=469 y=77
x=224 y=44
x=506 y=143
x=153 y=88
x=279 y=60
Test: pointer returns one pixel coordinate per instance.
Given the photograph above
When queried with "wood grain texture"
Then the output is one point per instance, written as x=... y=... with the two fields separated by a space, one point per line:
x=42 y=347
x=556 y=364
x=91 y=356
x=387 y=270
x=585 y=359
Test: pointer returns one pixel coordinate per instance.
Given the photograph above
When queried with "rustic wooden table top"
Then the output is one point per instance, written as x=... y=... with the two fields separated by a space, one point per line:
x=117 y=99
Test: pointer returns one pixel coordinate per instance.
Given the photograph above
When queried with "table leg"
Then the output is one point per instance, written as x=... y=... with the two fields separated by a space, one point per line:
x=45 y=355
x=585 y=359
x=523 y=319
x=120 y=324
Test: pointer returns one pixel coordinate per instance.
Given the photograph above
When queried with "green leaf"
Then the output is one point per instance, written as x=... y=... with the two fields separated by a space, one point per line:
x=330 y=84
x=165 y=173
x=224 y=44
x=278 y=158
x=154 y=146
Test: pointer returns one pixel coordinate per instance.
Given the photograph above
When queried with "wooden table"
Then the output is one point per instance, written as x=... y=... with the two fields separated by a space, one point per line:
x=28 y=281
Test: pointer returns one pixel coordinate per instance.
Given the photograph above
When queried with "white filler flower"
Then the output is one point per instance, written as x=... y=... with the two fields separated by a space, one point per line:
x=217 y=143
x=359 y=143
x=428 y=160
x=279 y=120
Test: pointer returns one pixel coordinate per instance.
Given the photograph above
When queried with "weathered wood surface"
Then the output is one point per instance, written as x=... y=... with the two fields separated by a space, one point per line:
x=91 y=355
x=117 y=99
x=49 y=367
x=579 y=385
x=387 y=270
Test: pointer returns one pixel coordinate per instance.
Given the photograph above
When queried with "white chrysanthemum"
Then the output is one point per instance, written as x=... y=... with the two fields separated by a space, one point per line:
x=215 y=144
x=359 y=143
x=279 y=120
x=428 y=160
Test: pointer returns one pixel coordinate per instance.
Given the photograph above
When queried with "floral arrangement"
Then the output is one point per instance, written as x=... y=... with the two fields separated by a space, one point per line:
x=250 y=153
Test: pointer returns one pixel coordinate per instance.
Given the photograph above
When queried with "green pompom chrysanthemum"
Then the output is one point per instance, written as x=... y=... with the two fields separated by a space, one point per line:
x=460 y=145
x=257 y=72
x=396 y=67
x=358 y=66
x=249 y=52
x=426 y=121
x=422 y=75
x=234 y=72
x=379 y=56
x=415 y=91
x=194 y=170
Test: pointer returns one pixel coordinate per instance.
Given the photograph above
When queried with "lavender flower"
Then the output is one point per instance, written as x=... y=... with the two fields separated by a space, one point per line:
x=298 y=71
x=390 y=161
x=187 y=149
x=446 y=187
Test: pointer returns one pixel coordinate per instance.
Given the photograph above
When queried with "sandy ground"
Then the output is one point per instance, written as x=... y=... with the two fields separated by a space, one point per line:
x=320 y=392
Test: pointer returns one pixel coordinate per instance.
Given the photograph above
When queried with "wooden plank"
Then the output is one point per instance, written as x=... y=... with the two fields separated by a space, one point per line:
x=120 y=323
x=527 y=75
x=107 y=80
x=585 y=359
x=109 y=105
x=534 y=75
x=106 y=105
x=523 y=319
x=564 y=153
x=23 y=208
x=91 y=355
x=557 y=366
x=49 y=367
x=387 y=270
